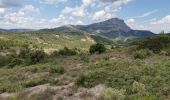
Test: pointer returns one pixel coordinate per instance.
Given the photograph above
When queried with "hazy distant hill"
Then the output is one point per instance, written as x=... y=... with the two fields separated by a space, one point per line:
x=16 y=30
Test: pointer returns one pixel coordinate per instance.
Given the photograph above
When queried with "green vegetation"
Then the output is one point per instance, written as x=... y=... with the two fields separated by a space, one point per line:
x=57 y=69
x=46 y=95
x=139 y=72
x=5 y=60
x=156 y=44
x=143 y=53
x=112 y=94
x=35 y=82
x=36 y=56
x=67 y=52
x=100 y=39
x=44 y=39
x=133 y=77
x=14 y=62
x=97 y=48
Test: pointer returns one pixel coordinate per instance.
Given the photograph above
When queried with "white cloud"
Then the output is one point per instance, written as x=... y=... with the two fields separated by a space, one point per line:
x=79 y=11
x=159 y=25
x=67 y=10
x=2 y=10
x=23 y=15
x=117 y=3
x=153 y=25
x=101 y=15
x=29 y=9
x=22 y=18
x=110 y=1
x=51 y=2
x=58 y=21
x=165 y=20
x=130 y=21
x=145 y=14
x=111 y=7
x=26 y=18
x=87 y=2
x=79 y=22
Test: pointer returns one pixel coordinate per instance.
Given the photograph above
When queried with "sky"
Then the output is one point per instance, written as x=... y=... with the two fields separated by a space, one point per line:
x=153 y=15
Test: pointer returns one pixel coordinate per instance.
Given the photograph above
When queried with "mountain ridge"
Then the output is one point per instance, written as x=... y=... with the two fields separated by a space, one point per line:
x=113 y=29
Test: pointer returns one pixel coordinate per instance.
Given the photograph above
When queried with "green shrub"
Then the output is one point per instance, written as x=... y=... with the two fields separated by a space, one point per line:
x=143 y=53
x=80 y=80
x=14 y=62
x=67 y=52
x=90 y=79
x=5 y=60
x=36 y=56
x=10 y=88
x=156 y=44
x=165 y=52
x=85 y=57
x=57 y=69
x=24 y=52
x=35 y=82
x=97 y=48
x=138 y=88
x=5 y=44
x=34 y=69
x=112 y=94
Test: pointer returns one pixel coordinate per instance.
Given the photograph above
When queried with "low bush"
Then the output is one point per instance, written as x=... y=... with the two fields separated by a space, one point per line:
x=156 y=44
x=143 y=53
x=5 y=44
x=138 y=88
x=57 y=69
x=97 y=48
x=14 y=62
x=85 y=57
x=165 y=52
x=80 y=80
x=24 y=52
x=67 y=52
x=112 y=94
x=132 y=77
x=35 y=82
x=90 y=79
x=36 y=56
x=40 y=81
x=5 y=60
x=10 y=88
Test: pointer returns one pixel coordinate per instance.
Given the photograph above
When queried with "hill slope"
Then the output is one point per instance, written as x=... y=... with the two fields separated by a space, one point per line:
x=112 y=31
x=116 y=30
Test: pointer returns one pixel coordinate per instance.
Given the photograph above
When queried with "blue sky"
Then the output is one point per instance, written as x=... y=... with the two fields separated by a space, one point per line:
x=153 y=15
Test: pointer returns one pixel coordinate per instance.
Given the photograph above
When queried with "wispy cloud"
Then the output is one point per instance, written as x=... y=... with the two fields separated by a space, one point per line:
x=52 y=2
x=145 y=14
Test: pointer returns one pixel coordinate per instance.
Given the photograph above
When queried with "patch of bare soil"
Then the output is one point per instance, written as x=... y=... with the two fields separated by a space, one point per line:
x=71 y=92
x=6 y=96
x=63 y=92
x=37 y=75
